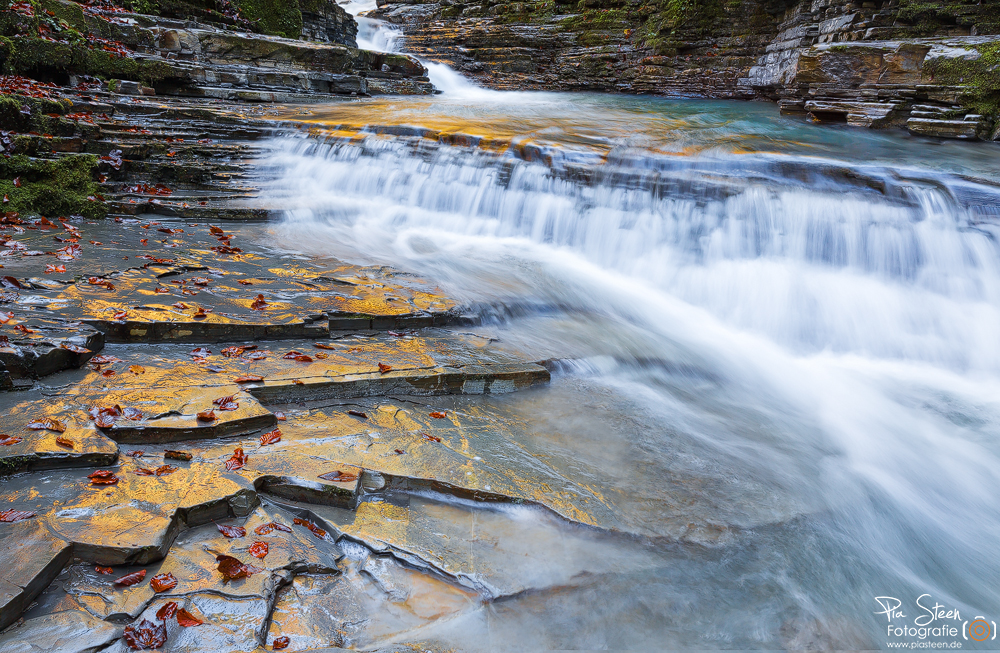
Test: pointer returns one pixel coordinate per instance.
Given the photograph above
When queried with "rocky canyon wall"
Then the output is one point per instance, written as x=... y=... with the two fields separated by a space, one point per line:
x=931 y=66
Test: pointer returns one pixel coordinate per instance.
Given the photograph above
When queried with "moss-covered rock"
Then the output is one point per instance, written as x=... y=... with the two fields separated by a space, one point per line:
x=278 y=17
x=51 y=187
x=980 y=76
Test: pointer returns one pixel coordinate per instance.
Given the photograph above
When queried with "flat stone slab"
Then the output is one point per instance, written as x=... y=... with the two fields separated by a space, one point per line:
x=429 y=362
x=161 y=280
x=69 y=631
x=84 y=445
x=32 y=347
x=30 y=558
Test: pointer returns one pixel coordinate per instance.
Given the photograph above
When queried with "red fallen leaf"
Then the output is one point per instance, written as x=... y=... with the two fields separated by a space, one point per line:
x=200 y=281
x=439 y=415
x=259 y=550
x=10 y=515
x=270 y=437
x=264 y=529
x=256 y=355
x=237 y=461
x=280 y=643
x=76 y=349
x=245 y=282
x=104 y=421
x=248 y=378
x=119 y=315
x=135 y=453
x=142 y=471
x=7 y=440
x=23 y=329
x=144 y=241
x=49 y=269
x=316 y=530
x=231 y=531
x=216 y=230
x=64 y=442
x=131 y=579
x=432 y=438
x=11 y=282
x=383 y=368
x=47 y=425
x=399 y=451
x=104 y=358
x=17 y=182
x=6 y=317
x=133 y=414
x=233 y=352
x=207 y=416
x=146 y=635
x=108 y=373
x=103 y=477
x=302 y=358
x=163 y=470
x=200 y=314
x=358 y=413
x=137 y=369
x=322 y=356
x=232 y=568
x=320 y=345
x=280 y=416
x=160 y=289
x=339 y=476
x=226 y=403
x=187 y=620
x=181 y=305
x=170 y=231
x=107 y=571
x=177 y=455
x=168 y=610
x=163 y=582
x=259 y=304
x=200 y=352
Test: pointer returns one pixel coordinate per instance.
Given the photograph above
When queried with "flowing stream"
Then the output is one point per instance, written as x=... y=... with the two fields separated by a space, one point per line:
x=794 y=328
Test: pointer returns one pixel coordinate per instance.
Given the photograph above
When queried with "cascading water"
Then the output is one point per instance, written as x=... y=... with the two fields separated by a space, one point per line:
x=795 y=327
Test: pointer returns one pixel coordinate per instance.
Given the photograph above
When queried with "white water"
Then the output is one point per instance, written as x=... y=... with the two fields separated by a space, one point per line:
x=851 y=333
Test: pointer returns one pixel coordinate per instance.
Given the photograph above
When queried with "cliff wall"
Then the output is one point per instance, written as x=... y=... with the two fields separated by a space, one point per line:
x=932 y=66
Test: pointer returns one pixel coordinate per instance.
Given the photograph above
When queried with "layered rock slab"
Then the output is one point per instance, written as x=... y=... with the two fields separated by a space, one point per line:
x=30 y=558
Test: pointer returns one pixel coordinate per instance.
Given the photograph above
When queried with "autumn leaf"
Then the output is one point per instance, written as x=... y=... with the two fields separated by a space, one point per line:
x=186 y=620
x=207 y=416
x=431 y=438
x=200 y=281
x=316 y=530
x=383 y=368
x=181 y=306
x=270 y=437
x=358 y=413
x=168 y=610
x=49 y=269
x=280 y=643
x=163 y=582
x=238 y=460
x=137 y=369
x=104 y=359
x=104 y=421
x=259 y=304
x=399 y=451
x=216 y=230
x=133 y=414
x=248 y=378
x=439 y=415
x=264 y=529
x=135 y=453
x=76 y=349
x=319 y=345
x=231 y=531
x=142 y=471
x=108 y=373
x=131 y=579
x=10 y=515
x=103 y=477
x=232 y=569
x=177 y=455
x=200 y=314
x=7 y=440
x=47 y=425
x=64 y=442
x=339 y=476
x=297 y=356
x=107 y=571
x=280 y=416
x=259 y=550
x=163 y=470
x=200 y=352
x=146 y=635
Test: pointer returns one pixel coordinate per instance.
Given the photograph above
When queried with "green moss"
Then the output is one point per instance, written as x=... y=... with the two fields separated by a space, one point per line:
x=52 y=187
x=31 y=56
x=981 y=76
x=278 y=17
x=25 y=114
